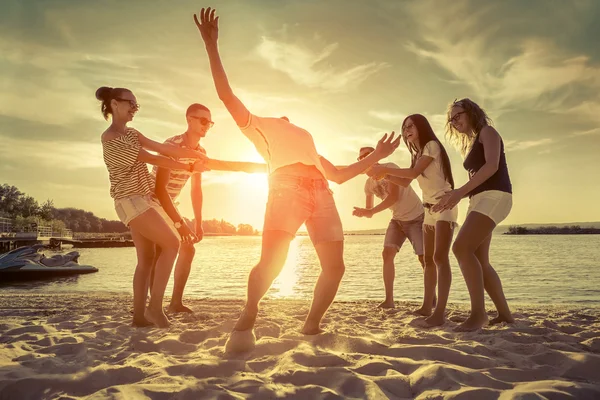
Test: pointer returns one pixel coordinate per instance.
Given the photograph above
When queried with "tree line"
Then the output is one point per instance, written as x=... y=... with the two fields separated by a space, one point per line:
x=24 y=210
x=552 y=230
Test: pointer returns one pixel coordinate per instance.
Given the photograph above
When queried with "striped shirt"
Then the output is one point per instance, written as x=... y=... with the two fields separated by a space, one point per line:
x=178 y=178
x=127 y=175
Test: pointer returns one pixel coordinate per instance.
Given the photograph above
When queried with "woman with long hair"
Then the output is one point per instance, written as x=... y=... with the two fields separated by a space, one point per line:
x=430 y=166
x=131 y=186
x=298 y=193
x=490 y=200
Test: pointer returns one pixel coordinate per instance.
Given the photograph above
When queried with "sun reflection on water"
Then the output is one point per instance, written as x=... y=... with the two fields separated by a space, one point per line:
x=285 y=283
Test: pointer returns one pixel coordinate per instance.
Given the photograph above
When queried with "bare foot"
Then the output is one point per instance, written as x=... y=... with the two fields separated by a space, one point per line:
x=179 y=308
x=424 y=311
x=386 y=304
x=472 y=323
x=311 y=328
x=141 y=322
x=246 y=320
x=157 y=316
x=435 y=320
x=240 y=341
x=501 y=318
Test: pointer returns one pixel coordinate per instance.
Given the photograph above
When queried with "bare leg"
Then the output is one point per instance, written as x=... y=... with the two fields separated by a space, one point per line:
x=421 y=259
x=474 y=232
x=154 y=228
x=145 y=256
x=492 y=283
x=389 y=273
x=429 y=271
x=182 y=272
x=443 y=239
x=275 y=246
x=331 y=256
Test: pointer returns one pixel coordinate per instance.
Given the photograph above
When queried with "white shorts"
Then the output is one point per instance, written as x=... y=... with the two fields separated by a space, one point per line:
x=447 y=215
x=494 y=204
x=129 y=208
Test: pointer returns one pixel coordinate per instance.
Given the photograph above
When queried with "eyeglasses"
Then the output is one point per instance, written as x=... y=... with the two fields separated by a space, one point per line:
x=132 y=103
x=204 y=121
x=455 y=117
x=406 y=127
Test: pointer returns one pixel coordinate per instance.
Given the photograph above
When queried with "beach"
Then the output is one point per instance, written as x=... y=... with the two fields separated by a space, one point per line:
x=75 y=346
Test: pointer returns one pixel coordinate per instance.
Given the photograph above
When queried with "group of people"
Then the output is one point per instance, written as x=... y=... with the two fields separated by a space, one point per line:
x=299 y=194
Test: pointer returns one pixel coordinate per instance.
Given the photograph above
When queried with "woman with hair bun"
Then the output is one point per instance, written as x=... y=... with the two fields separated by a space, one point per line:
x=490 y=201
x=126 y=153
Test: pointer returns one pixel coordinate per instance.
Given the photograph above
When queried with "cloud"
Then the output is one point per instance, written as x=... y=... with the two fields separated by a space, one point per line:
x=388 y=116
x=518 y=145
x=504 y=66
x=305 y=67
x=594 y=131
x=67 y=155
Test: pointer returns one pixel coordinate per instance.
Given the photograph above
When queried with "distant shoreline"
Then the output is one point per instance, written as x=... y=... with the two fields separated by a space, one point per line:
x=552 y=230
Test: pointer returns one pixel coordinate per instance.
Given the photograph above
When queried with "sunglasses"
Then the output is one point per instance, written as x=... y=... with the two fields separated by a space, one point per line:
x=204 y=121
x=455 y=117
x=132 y=103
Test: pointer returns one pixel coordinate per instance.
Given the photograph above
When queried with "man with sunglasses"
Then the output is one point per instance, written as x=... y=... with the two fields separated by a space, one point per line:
x=169 y=184
x=407 y=220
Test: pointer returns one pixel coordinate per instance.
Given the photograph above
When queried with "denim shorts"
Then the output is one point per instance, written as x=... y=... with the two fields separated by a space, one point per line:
x=398 y=231
x=295 y=200
x=129 y=208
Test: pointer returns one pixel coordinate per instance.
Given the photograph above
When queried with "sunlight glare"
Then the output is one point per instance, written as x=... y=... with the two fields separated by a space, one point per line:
x=285 y=284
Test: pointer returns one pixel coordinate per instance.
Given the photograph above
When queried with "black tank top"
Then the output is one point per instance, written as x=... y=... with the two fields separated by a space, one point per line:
x=476 y=159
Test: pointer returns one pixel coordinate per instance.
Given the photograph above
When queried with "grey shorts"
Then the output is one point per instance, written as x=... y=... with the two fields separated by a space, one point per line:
x=398 y=231
x=295 y=200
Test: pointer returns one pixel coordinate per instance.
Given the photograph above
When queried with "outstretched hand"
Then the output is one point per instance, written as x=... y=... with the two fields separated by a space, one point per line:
x=387 y=145
x=362 y=212
x=378 y=172
x=208 y=25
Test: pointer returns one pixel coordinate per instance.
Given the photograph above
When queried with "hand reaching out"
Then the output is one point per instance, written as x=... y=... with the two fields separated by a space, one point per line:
x=387 y=145
x=362 y=212
x=208 y=25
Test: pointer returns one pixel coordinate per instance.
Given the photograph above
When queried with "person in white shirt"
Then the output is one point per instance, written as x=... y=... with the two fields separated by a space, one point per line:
x=430 y=166
x=406 y=222
x=298 y=193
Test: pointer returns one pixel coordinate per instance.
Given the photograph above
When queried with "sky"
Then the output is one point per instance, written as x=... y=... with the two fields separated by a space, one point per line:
x=347 y=71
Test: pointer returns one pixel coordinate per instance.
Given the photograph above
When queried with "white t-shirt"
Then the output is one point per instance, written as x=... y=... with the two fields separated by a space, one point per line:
x=281 y=143
x=432 y=181
x=406 y=208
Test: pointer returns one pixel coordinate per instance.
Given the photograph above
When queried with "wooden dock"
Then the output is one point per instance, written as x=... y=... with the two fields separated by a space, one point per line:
x=91 y=243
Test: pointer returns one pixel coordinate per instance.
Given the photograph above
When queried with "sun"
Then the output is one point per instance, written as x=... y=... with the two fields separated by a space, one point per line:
x=257 y=185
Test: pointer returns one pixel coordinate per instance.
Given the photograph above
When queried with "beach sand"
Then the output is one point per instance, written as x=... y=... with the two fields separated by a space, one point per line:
x=73 y=346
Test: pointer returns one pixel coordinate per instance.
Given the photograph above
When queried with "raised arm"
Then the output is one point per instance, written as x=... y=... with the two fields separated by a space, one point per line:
x=208 y=25
x=339 y=175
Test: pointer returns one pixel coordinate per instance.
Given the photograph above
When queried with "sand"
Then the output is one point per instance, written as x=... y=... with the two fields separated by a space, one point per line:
x=73 y=346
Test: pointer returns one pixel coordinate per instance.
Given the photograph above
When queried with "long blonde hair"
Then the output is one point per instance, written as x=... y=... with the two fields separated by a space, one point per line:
x=477 y=118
